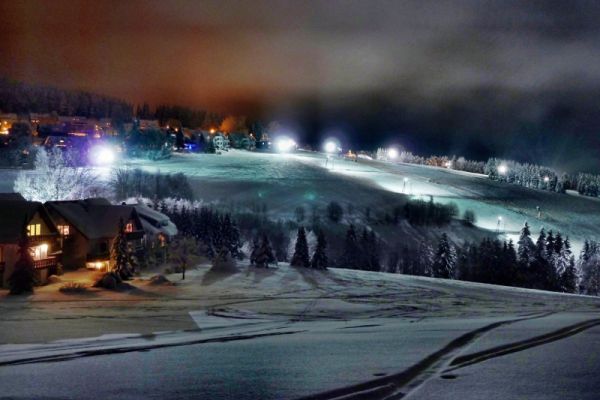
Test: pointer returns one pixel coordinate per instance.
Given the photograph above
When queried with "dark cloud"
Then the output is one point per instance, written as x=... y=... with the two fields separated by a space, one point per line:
x=469 y=75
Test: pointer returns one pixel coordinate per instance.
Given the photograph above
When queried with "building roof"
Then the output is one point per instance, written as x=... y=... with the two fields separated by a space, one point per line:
x=155 y=222
x=94 y=218
x=15 y=214
x=11 y=197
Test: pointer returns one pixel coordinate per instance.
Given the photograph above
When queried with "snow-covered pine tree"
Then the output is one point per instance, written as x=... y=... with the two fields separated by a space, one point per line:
x=231 y=237
x=444 y=259
x=570 y=277
x=319 y=259
x=264 y=254
x=525 y=246
x=589 y=264
x=301 y=257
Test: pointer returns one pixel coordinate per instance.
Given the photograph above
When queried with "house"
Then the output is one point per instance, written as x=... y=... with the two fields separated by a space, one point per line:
x=89 y=227
x=21 y=217
x=159 y=229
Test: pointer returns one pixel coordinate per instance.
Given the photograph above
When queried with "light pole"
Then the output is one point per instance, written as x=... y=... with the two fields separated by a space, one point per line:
x=404 y=187
x=499 y=222
x=330 y=148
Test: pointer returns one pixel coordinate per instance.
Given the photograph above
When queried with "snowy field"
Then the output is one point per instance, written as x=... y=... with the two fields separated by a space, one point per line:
x=281 y=333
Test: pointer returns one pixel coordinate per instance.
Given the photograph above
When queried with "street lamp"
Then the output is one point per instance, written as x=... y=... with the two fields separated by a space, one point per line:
x=102 y=155
x=502 y=169
x=392 y=153
x=330 y=147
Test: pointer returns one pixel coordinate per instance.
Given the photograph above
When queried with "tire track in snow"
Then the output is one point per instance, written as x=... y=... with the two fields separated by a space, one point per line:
x=475 y=358
x=397 y=385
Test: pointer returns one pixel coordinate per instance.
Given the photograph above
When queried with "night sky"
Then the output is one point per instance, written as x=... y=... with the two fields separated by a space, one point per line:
x=517 y=79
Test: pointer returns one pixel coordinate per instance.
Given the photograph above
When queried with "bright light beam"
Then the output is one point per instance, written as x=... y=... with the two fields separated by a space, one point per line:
x=102 y=155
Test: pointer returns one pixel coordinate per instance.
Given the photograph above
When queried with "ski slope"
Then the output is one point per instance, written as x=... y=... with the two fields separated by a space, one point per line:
x=285 y=181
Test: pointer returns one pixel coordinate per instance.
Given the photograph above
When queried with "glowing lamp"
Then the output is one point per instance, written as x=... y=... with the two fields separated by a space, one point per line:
x=503 y=169
x=330 y=147
x=102 y=155
x=284 y=145
x=392 y=153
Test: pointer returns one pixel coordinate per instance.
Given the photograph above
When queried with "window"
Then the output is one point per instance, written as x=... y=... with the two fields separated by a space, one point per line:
x=1 y=254
x=129 y=227
x=63 y=230
x=39 y=252
x=34 y=230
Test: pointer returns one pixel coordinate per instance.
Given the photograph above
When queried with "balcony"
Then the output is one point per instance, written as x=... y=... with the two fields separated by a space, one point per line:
x=49 y=262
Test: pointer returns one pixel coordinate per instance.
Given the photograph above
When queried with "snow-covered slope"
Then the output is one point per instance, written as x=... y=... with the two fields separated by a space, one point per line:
x=279 y=333
x=284 y=181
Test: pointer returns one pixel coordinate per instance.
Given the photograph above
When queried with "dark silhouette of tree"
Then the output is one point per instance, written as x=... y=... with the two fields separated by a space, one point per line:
x=335 y=212
x=264 y=254
x=22 y=278
x=301 y=257
x=319 y=259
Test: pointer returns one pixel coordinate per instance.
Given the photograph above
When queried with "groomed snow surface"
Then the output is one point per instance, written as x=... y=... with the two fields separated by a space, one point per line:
x=283 y=333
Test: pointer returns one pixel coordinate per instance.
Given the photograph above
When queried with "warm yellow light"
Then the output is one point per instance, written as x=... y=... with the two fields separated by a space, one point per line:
x=44 y=247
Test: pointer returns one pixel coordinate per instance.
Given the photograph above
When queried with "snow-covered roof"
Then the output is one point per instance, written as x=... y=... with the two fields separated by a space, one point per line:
x=15 y=214
x=95 y=218
x=155 y=222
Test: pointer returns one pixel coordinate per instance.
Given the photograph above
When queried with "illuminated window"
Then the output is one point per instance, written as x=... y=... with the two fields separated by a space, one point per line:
x=39 y=252
x=63 y=230
x=129 y=227
x=34 y=230
x=1 y=254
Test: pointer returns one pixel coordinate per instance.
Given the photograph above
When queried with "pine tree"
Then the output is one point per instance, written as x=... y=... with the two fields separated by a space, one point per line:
x=119 y=254
x=22 y=278
x=255 y=248
x=319 y=259
x=569 y=277
x=445 y=259
x=300 y=257
x=526 y=248
x=350 y=256
x=264 y=254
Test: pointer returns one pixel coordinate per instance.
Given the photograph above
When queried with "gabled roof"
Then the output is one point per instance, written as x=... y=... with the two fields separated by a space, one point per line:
x=15 y=214
x=94 y=218
x=11 y=197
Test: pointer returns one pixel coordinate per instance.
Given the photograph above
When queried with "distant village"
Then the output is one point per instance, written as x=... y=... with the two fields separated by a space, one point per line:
x=52 y=130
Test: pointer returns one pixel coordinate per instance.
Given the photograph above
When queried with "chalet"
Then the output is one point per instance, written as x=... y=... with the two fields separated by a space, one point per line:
x=158 y=228
x=88 y=228
x=21 y=217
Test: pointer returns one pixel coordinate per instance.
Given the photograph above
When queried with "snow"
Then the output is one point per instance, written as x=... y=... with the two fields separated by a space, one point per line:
x=276 y=333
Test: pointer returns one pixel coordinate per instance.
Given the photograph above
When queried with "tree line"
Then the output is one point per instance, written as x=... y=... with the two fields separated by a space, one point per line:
x=22 y=98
